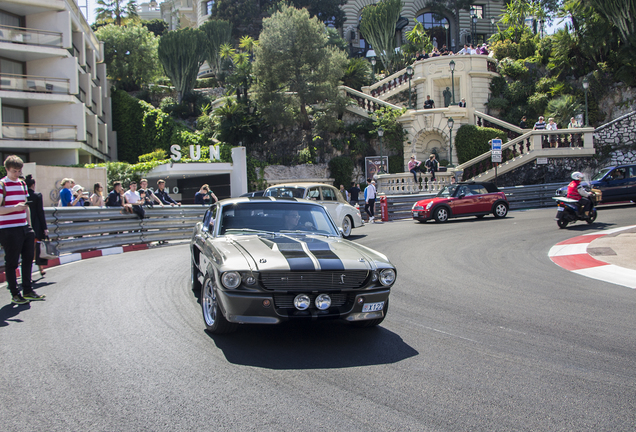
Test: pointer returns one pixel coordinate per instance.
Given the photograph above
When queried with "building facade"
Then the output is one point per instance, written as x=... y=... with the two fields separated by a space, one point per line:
x=54 y=95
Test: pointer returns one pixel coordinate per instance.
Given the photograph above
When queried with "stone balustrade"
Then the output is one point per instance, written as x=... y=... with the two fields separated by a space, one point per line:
x=403 y=183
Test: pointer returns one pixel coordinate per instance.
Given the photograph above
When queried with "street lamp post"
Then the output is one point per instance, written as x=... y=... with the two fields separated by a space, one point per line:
x=452 y=68
x=373 y=61
x=381 y=134
x=586 y=84
x=473 y=28
x=446 y=27
x=409 y=72
x=450 y=124
x=492 y=23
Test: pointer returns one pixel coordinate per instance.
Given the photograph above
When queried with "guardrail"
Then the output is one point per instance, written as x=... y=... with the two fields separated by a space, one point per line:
x=75 y=229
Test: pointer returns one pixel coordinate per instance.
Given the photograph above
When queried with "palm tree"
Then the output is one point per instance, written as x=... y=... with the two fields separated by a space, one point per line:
x=115 y=11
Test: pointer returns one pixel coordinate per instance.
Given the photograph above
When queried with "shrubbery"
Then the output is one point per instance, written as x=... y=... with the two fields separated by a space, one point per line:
x=472 y=141
x=341 y=168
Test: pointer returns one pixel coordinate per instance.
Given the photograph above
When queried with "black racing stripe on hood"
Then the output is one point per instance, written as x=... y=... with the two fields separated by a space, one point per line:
x=327 y=258
x=293 y=252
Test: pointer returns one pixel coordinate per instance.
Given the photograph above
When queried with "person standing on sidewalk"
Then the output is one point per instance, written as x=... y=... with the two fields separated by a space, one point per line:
x=354 y=191
x=16 y=236
x=38 y=220
x=369 y=199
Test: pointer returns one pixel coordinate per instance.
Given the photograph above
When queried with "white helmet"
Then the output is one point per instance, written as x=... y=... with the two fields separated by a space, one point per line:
x=577 y=175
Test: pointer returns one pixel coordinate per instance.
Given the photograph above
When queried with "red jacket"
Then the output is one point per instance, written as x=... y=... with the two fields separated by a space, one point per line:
x=573 y=190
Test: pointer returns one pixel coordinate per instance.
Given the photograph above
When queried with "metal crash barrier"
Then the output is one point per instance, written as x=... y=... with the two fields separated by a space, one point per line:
x=75 y=229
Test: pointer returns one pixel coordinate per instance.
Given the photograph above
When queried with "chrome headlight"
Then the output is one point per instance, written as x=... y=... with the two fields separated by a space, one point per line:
x=302 y=301
x=323 y=301
x=429 y=205
x=231 y=279
x=387 y=277
x=250 y=279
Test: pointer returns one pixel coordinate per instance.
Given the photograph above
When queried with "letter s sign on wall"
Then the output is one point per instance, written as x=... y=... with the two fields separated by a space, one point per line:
x=175 y=149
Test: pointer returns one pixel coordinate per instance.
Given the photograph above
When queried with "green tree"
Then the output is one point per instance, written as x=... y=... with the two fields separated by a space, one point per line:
x=378 y=25
x=419 y=39
x=357 y=74
x=130 y=54
x=218 y=32
x=116 y=11
x=157 y=26
x=563 y=108
x=294 y=63
x=621 y=13
x=182 y=52
x=244 y=15
x=327 y=11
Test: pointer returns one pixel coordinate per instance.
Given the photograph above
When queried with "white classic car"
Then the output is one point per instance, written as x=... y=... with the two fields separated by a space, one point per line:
x=266 y=260
x=344 y=214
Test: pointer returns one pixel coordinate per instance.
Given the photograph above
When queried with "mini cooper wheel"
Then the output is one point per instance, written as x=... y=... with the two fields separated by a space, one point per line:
x=347 y=225
x=214 y=320
x=372 y=322
x=500 y=210
x=441 y=214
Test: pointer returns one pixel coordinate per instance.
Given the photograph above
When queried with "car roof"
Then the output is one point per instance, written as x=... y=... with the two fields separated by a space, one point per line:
x=490 y=187
x=299 y=184
x=239 y=200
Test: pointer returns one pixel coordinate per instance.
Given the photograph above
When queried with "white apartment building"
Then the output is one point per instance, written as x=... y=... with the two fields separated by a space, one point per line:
x=54 y=95
x=149 y=10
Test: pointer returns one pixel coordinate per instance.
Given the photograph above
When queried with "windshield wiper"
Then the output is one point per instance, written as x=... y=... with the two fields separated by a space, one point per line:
x=250 y=231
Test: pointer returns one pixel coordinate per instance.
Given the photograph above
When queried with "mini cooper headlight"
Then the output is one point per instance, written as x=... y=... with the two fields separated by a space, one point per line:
x=302 y=301
x=416 y=208
x=429 y=205
x=231 y=280
x=387 y=277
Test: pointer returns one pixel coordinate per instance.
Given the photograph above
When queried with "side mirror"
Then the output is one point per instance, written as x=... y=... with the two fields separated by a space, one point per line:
x=341 y=232
x=462 y=195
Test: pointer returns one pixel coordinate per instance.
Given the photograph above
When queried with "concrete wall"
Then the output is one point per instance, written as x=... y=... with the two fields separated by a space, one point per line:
x=620 y=136
x=48 y=178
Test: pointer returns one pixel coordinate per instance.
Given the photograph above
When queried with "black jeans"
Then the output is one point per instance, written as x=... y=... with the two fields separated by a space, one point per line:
x=585 y=204
x=18 y=242
x=370 y=207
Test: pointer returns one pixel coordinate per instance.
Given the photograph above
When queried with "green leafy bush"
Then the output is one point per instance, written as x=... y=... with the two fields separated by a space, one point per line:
x=515 y=69
x=538 y=102
x=472 y=141
x=505 y=49
x=211 y=82
x=527 y=45
x=341 y=168
x=497 y=103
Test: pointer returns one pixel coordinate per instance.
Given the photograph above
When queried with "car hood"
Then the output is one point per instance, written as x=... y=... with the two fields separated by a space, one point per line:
x=435 y=200
x=300 y=253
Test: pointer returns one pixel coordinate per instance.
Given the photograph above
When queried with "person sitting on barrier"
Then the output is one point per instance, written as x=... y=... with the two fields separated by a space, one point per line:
x=204 y=196
x=413 y=165
x=116 y=198
x=150 y=198
x=162 y=194
x=577 y=191
x=66 y=196
x=97 y=199
x=133 y=198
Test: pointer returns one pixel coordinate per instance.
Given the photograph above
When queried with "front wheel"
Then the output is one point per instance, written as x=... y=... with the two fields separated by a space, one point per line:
x=500 y=210
x=592 y=217
x=441 y=214
x=347 y=225
x=214 y=320
x=562 y=223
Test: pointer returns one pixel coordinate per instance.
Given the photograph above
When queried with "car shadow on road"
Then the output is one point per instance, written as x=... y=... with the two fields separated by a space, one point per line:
x=324 y=345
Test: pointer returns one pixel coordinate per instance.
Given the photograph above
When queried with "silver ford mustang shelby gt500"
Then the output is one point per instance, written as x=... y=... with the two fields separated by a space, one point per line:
x=266 y=260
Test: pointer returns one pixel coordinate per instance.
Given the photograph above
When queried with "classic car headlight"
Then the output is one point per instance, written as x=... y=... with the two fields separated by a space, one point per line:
x=323 y=301
x=231 y=279
x=302 y=301
x=387 y=277
x=416 y=207
x=429 y=205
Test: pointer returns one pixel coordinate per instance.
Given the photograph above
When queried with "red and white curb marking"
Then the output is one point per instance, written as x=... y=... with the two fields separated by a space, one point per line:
x=572 y=255
x=65 y=259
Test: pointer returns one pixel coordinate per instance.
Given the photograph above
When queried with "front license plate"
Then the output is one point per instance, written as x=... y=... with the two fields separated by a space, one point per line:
x=560 y=209
x=372 y=307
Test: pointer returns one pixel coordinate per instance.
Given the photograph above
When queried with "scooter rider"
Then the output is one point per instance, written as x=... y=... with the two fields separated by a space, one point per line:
x=577 y=191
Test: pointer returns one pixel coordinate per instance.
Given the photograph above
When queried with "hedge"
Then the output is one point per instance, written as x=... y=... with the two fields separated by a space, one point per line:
x=472 y=141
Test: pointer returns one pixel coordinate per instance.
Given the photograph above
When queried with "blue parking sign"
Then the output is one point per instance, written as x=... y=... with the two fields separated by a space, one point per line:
x=496 y=144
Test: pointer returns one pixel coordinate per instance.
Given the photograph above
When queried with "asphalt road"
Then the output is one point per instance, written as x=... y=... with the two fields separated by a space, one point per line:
x=484 y=333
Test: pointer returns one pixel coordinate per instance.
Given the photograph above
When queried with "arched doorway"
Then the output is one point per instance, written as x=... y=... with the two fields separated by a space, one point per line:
x=437 y=27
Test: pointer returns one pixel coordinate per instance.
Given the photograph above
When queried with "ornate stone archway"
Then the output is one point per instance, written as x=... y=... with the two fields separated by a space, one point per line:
x=431 y=141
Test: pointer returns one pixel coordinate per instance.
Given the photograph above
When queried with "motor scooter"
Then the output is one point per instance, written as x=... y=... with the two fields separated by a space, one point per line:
x=569 y=211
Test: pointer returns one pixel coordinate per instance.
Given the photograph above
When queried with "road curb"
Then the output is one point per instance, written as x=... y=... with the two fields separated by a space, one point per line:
x=572 y=255
x=65 y=259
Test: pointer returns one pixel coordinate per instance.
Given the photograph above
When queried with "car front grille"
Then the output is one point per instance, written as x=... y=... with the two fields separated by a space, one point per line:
x=286 y=301
x=314 y=280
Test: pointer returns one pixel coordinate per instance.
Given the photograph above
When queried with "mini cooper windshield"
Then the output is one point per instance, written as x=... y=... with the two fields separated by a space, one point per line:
x=447 y=192
x=275 y=217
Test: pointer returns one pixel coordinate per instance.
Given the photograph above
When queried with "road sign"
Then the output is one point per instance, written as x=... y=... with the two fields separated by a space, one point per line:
x=542 y=161
x=496 y=144
x=496 y=158
x=495 y=152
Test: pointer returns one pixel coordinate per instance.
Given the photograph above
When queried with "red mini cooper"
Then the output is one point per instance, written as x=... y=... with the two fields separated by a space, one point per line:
x=462 y=200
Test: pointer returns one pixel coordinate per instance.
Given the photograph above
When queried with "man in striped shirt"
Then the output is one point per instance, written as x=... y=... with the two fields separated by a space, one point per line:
x=16 y=236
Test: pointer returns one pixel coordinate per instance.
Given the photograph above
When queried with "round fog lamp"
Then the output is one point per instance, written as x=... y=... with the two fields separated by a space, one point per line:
x=323 y=301
x=250 y=280
x=302 y=301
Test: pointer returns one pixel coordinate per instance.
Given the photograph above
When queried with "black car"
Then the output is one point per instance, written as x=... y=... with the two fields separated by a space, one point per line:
x=617 y=183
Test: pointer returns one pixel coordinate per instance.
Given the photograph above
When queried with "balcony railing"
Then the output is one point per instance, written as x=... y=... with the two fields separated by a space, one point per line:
x=82 y=95
x=31 y=83
x=23 y=35
x=89 y=139
x=38 y=132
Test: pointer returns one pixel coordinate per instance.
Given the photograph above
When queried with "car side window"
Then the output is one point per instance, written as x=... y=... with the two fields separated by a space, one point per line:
x=477 y=189
x=313 y=194
x=465 y=191
x=328 y=194
x=630 y=172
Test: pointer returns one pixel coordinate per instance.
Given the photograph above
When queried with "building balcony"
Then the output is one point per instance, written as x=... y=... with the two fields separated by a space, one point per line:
x=38 y=132
x=34 y=84
x=89 y=139
x=27 y=36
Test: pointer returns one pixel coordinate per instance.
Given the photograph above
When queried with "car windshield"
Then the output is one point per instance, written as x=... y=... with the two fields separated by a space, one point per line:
x=599 y=175
x=269 y=217
x=447 y=192
x=285 y=192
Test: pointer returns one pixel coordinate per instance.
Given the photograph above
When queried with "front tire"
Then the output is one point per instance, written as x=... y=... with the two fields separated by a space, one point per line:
x=347 y=225
x=500 y=210
x=441 y=214
x=213 y=318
